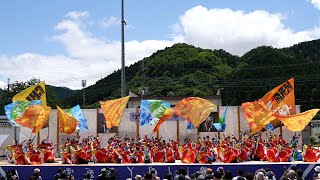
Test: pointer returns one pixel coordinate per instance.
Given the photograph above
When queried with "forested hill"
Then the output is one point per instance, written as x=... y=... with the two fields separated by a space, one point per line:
x=178 y=70
x=184 y=70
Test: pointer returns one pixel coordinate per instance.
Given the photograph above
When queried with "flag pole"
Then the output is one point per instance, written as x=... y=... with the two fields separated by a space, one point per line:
x=123 y=74
x=123 y=78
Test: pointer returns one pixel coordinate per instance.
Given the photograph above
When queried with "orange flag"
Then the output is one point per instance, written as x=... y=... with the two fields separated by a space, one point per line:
x=281 y=100
x=277 y=106
x=34 y=118
x=67 y=123
x=113 y=110
x=43 y=116
x=257 y=114
x=194 y=109
x=299 y=121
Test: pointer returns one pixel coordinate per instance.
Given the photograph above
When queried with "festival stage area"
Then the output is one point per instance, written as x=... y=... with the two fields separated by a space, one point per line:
x=130 y=170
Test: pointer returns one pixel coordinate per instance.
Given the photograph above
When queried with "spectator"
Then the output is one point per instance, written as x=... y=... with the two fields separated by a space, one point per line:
x=209 y=171
x=103 y=174
x=63 y=176
x=147 y=176
x=249 y=176
x=240 y=174
x=261 y=170
x=221 y=170
x=291 y=175
x=227 y=175
x=138 y=177
x=201 y=177
x=182 y=174
x=196 y=175
x=59 y=172
x=168 y=176
x=86 y=177
x=299 y=174
x=154 y=174
x=317 y=172
x=260 y=176
x=217 y=175
x=36 y=174
x=270 y=175
x=113 y=174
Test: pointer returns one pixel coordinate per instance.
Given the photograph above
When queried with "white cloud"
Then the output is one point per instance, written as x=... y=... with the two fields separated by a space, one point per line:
x=91 y=58
x=77 y=15
x=108 y=22
x=88 y=57
x=2 y=84
x=237 y=31
x=316 y=3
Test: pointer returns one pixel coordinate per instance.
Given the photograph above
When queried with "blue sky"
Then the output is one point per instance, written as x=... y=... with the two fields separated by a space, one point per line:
x=42 y=38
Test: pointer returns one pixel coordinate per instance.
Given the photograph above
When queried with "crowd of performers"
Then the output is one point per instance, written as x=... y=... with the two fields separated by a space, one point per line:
x=148 y=150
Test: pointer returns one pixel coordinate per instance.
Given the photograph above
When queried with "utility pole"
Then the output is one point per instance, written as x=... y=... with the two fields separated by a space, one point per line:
x=123 y=74
x=15 y=136
x=83 y=83
x=8 y=84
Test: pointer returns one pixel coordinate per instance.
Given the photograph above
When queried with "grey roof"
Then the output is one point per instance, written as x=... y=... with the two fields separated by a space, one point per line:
x=3 y=117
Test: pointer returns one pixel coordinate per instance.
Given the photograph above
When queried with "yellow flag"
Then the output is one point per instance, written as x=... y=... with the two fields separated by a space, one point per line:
x=67 y=123
x=35 y=92
x=299 y=121
x=113 y=110
x=194 y=109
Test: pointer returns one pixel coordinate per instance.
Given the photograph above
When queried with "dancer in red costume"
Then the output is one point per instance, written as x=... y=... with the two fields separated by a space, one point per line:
x=244 y=153
x=273 y=154
x=47 y=149
x=169 y=154
x=33 y=154
x=18 y=156
x=311 y=154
